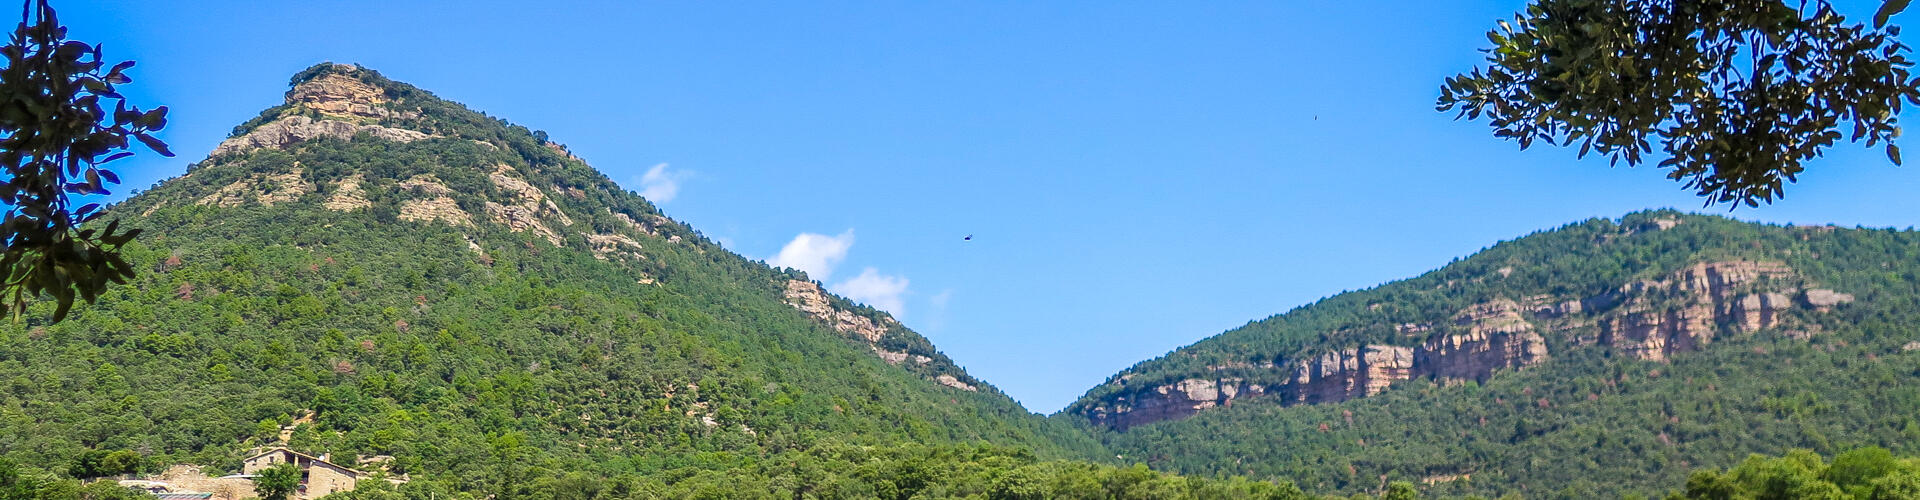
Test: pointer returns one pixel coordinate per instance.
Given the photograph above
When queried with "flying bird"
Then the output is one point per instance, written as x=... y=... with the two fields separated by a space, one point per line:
x=968 y=238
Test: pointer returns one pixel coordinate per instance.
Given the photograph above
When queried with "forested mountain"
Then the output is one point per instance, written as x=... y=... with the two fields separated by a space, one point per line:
x=1603 y=357
x=389 y=273
x=369 y=271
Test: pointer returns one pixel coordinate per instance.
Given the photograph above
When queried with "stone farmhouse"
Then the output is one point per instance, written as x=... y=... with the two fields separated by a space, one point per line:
x=318 y=477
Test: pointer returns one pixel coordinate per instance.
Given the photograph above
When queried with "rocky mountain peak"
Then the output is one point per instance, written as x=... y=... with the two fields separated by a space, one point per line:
x=338 y=91
x=328 y=100
x=496 y=184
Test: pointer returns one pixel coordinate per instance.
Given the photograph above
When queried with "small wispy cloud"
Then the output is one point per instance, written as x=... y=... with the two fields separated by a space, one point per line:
x=883 y=292
x=818 y=254
x=935 y=318
x=660 y=185
x=814 y=254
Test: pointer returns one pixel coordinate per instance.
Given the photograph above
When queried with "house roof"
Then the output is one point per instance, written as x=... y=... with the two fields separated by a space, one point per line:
x=312 y=458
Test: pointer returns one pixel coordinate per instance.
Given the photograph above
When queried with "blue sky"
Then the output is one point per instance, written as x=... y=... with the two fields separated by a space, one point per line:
x=1136 y=176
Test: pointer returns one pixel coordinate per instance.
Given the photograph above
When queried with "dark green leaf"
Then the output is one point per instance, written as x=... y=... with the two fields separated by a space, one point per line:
x=1887 y=11
x=154 y=144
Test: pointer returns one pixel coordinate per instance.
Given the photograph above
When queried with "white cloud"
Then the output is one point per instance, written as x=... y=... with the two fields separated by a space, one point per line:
x=935 y=319
x=659 y=185
x=883 y=292
x=815 y=254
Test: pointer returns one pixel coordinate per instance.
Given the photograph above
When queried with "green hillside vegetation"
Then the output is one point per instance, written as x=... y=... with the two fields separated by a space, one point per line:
x=824 y=472
x=1589 y=420
x=901 y=472
x=1863 y=474
x=480 y=367
x=371 y=271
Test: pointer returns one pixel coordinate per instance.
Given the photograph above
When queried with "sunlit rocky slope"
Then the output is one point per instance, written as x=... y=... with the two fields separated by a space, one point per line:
x=1611 y=351
x=439 y=286
x=369 y=271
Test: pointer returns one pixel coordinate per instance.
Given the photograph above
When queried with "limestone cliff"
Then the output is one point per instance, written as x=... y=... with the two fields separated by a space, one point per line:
x=877 y=335
x=1329 y=377
x=336 y=94
x=1485 y=338
x=808 y=297
x=1681 y=312
x=334 y=104
x=293 y=129
x=1648 y=319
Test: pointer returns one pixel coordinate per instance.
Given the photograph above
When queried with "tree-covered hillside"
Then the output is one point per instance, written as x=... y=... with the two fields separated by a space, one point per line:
x=1870 y=473
x=1604 y=357
x=371 y=272
x=388 y=273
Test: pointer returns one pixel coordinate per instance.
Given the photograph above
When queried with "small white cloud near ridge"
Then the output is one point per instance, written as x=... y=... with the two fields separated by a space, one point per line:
x=659 y=185
x=814 y=254
x=883 y=292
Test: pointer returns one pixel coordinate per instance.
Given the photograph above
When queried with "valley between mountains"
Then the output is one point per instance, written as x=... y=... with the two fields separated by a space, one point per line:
x=459 y=309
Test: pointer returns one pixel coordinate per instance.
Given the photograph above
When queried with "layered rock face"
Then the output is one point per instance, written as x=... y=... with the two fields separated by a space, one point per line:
x=1173 y=401
x=1651 y=320
x=1681 y=312
x=343 y=103
x=527 y=208
x=809 y=298
x=293 y=129
x=1489 y=337
x=1347 y=374
x=336 y=94
x=1330 y=377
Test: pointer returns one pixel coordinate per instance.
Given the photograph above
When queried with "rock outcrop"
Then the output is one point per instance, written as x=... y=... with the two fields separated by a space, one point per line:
x=636 y=225
x=605 y=246
x=1651 y=319
x=294 y=129
x=898 y=357
x=809 y=298
x=266 y=189
x=1486 y=338
x=1656 y=318
x=954 y=382
x=1347 y=374
x=336 y=94
x=529 y=205
x=436 y=204
x=347 y=195
x=1330 y=377
x=1172 y=401
x=1823 y=300
x=345 y=106
x=439 y=208
x=426 y=184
